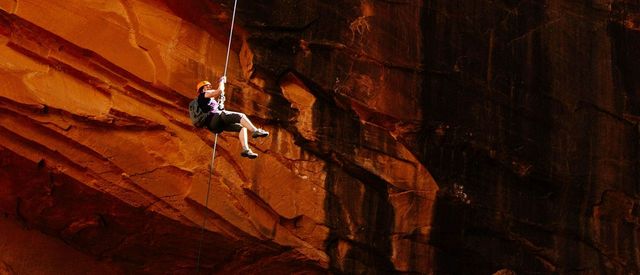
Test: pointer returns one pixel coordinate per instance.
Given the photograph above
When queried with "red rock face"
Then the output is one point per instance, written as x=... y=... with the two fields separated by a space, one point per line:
x=525 y=112
x=99 y=160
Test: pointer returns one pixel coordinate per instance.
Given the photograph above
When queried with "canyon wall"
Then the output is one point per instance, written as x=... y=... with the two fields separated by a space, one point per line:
x=531 y=111
x=444 y=137
x=99 y=156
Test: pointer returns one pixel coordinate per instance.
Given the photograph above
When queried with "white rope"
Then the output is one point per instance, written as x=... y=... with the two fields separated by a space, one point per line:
x=233 y=19
x=215 y=143
x=226 y=63
x=206 y=202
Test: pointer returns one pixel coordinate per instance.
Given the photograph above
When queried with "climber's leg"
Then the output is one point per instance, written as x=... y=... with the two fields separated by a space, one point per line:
x=236 y=117
x=246 y=151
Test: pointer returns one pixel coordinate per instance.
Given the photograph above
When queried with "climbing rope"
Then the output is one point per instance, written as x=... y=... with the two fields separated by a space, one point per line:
x=233 y=19
x=215 y=143
x=206 y=202
x=226 y=62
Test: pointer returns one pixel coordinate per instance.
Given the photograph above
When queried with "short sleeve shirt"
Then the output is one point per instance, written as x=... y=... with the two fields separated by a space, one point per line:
x=208 y=104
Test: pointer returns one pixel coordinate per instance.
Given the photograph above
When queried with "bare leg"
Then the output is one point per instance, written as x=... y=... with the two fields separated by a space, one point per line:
x=247 y=124
x=242 y=135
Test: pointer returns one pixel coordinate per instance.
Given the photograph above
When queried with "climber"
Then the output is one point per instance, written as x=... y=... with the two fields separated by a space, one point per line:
x=219 y=120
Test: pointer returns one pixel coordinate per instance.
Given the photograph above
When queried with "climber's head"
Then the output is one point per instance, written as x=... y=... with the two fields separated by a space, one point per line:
x=203 y=85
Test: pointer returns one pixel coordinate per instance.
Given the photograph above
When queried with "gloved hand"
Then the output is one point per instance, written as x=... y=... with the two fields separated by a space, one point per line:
x=221 y=102
x=221 y=87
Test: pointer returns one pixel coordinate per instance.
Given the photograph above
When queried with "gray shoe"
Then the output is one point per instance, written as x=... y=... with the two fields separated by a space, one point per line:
x=248 y=154
x=259 y=133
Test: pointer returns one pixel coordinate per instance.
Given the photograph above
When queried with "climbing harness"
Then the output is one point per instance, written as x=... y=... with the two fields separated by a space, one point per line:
x=215 y=143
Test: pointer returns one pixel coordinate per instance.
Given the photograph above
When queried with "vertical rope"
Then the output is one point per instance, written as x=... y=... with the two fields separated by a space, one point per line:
x=226 y=62
x=233 y=19
x=215 y=143
x=206 y=203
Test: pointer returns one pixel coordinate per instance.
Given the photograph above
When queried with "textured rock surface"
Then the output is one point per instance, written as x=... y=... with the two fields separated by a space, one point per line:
x=526 y=113
x=47 y=255
x=97 y=150
x=531 y=107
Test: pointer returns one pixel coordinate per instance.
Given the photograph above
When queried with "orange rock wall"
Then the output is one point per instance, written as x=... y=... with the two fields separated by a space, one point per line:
x=97 y=150
x=28 y=251
x=524 y=112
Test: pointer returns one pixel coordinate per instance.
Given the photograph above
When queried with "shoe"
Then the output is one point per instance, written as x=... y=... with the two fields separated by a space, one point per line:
x=248 y=154
x=259 y=133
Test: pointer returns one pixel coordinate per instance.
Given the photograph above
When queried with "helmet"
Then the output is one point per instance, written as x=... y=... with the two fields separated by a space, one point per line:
x=202 y=84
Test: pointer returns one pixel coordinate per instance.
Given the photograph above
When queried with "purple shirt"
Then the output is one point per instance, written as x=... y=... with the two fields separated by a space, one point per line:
x=214 y=106
x=208 y=104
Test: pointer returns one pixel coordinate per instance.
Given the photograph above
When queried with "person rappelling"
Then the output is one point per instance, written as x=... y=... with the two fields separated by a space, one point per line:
x=213 y=116
x=207 y=110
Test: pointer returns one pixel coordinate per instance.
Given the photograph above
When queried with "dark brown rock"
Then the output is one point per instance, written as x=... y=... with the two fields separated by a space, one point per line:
x=540 y=130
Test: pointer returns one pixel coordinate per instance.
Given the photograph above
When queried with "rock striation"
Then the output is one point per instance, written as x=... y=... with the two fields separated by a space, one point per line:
x=531 y=108
x=98 y=155
x=417 y=137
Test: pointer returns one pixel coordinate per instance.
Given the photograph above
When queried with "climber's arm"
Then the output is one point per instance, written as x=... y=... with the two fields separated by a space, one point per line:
x=217 y=92
x=212 y=93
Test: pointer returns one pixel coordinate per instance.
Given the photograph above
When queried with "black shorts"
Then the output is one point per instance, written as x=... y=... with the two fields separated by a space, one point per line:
x=226 y=121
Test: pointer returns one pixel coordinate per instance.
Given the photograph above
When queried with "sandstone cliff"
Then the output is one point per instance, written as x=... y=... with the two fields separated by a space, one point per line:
x=524 y=112
x=98 y=152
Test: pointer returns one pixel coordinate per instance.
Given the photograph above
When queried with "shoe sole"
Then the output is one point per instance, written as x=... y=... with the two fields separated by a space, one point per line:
x=260 y=135
x=249 y=156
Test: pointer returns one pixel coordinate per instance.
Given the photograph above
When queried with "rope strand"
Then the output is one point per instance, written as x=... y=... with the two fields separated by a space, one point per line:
x=206 y=202
x=226 y=62
x=215 y=143
x=233 y=19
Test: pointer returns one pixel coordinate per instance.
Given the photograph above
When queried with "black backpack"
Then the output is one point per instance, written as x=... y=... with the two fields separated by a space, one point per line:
x=196 y=114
